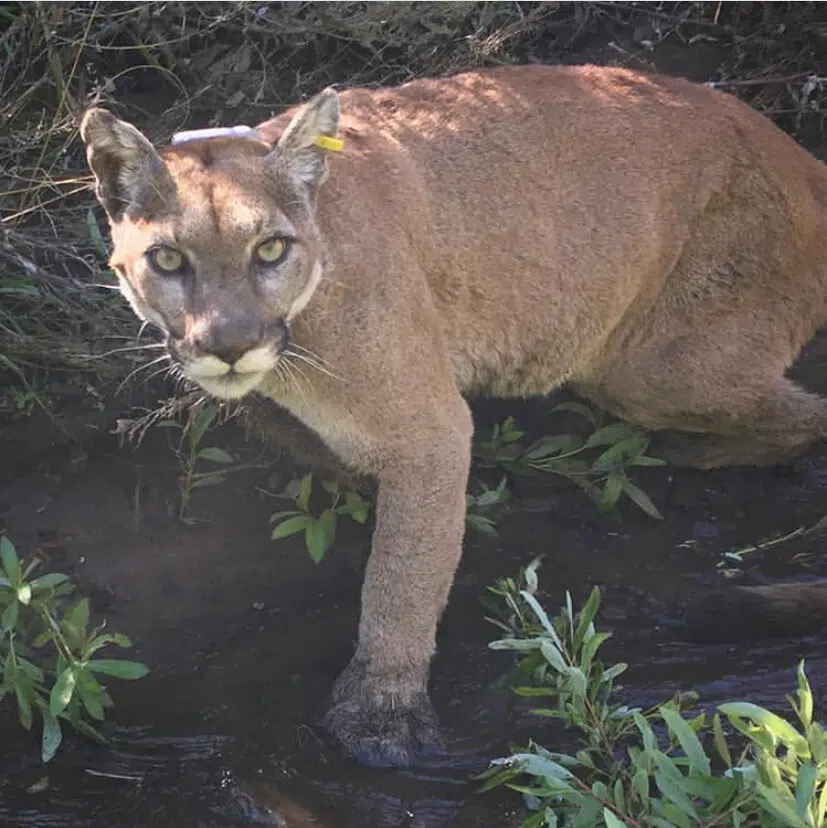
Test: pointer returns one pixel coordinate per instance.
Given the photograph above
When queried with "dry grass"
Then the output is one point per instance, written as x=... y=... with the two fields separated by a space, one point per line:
x=167 y=64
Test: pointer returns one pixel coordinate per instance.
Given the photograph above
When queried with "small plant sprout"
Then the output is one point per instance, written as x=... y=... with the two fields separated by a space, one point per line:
x=599 y=463
x=318 y=525
x=657 y=768
x=192 y=455
x=48 y=653
x=502 y=448
x=480 y=505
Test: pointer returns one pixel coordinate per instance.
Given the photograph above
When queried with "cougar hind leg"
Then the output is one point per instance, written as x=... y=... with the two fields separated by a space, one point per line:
x=780 y=427
x=717 y=405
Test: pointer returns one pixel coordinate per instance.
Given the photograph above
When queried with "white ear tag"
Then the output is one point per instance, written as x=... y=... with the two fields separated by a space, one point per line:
x=216 y=132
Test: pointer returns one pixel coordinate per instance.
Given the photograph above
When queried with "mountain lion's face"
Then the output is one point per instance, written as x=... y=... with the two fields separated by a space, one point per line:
x=214 y=241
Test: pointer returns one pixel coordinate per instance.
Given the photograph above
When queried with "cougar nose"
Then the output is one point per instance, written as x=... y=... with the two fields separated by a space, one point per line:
x=230 y=342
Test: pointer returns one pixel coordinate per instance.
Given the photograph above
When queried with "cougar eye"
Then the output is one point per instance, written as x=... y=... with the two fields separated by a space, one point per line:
x=271 y=250
x=167 y=259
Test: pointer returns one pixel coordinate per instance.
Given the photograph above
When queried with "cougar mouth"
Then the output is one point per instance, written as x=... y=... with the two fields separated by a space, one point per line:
x=226 y=374
x=230 y=386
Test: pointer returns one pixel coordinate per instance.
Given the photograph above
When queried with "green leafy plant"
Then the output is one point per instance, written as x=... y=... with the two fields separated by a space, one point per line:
x=639 y=767
x=501 y=448
x=599 y=462
x=192 y=455
x=318 y=525
x=478 y=507
x=49 y=653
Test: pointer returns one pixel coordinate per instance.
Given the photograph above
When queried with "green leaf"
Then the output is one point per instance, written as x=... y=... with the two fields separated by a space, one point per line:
x=669 y=785
x=650 y=742
x=356 y=507
x=542 y=617
x=482 y=524
x=62 y=691
x=620 y=452
x=331 y=487
x=780 y=729
x=781 y=806
x=547 y=448
x=215 y=455
x=305 y=488
x=591 y=646
x=92 y=703
x=92 y=694
x=804 y=789
x=805 y=696
x=612 y=490
x=587 y=616
x=720 y=740
x=291 y=526
x=48 y=581
x=541 y=766
x=119 y=639
x=576 y=408
x=52 y=735
x=554 y=657
x=327 y=521
x=85 y=729
x=315 y=540
x=534 y=692
x=611 y=673
x=611 y=434
x=78 y=615
x=119 y=668
x=641 y=499
x=11 y=563
x=691 y=746
x=646 y=461
x=640 y=784
x=199 y=423
x=619 y=795
x=24 y=705
x=611 y=820
x=10 y=615
x=207 y=480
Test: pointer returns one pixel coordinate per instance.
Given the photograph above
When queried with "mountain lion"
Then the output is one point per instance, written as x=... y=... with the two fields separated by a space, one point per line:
x=656 y=244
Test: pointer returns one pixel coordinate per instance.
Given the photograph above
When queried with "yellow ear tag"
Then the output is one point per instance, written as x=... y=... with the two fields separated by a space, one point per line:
x=328 y=142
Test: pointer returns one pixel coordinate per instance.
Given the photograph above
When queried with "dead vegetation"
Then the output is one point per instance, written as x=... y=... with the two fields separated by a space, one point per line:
x=169 y=64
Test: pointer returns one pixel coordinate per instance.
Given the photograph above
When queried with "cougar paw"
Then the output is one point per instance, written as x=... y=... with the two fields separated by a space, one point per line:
x=383 y=718
x=384 y=735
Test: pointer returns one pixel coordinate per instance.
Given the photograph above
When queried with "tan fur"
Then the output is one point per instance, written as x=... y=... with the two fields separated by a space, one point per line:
x=657 y=244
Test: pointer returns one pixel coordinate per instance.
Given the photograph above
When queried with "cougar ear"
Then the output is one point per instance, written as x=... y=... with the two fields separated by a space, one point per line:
x=128 y=171
x=298 y=143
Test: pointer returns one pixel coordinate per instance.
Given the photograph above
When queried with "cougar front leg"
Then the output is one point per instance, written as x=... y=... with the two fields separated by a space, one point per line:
x=381 y=713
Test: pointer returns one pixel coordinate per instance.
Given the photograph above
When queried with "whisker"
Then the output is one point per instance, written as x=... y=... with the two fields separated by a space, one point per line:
x=141 y=368
x=312 y=363
x=152 y=376
x=309 y=353
x=147 y=347
x=293 y=371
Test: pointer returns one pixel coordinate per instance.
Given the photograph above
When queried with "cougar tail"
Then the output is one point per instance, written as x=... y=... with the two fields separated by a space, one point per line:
x=744 y=612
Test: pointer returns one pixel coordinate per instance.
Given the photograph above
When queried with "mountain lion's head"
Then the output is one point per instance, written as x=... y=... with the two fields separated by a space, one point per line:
x=215 y=241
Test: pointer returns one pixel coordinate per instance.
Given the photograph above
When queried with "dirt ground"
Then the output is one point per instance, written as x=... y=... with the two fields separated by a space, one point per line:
x=245 y=635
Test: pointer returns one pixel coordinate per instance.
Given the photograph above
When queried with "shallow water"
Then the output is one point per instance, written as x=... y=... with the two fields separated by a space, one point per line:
x=245 y=637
